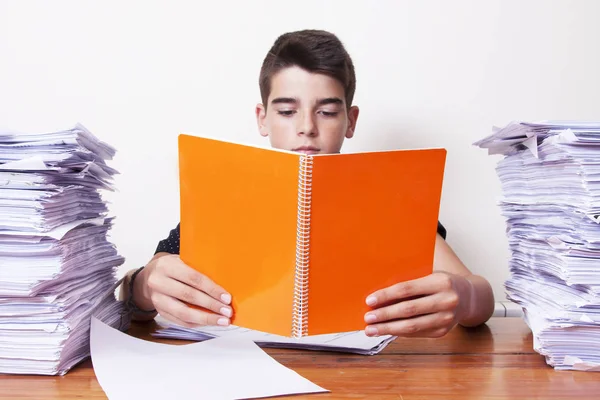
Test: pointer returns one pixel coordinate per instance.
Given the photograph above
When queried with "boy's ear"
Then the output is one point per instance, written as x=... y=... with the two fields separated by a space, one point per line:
x=352 y=118
x=261 y=115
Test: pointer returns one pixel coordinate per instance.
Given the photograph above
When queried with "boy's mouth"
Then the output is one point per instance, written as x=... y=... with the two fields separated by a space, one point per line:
x=307 y=150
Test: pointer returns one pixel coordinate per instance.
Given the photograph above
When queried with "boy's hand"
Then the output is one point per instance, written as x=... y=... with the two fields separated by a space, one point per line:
x=424 y=307
x=168 y=284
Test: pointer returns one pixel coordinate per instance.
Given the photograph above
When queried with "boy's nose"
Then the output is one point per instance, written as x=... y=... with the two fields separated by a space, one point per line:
x=307 y=125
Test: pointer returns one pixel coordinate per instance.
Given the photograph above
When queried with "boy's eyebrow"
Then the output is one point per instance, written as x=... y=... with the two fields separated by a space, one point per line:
x=330 y=100
x=279 y=100
x=320 y=102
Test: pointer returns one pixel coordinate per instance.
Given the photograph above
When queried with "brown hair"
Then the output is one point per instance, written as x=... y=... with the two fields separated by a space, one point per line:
x=314 y=51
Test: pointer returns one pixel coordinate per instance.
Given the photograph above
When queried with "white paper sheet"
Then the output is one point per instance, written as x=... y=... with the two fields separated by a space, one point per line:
x=223 y=368
x=27 y=164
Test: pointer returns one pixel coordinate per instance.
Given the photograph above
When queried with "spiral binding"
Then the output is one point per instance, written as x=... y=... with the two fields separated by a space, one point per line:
x=300 y=312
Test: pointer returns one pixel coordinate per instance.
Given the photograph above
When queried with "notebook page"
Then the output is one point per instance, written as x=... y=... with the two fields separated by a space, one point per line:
x=349 y=342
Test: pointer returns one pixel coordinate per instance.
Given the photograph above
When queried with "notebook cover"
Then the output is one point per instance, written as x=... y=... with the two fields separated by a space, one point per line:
x=238 y=226
x=373 y=224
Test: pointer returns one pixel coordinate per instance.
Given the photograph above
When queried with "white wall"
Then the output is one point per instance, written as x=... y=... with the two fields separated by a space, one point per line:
x=430 y=73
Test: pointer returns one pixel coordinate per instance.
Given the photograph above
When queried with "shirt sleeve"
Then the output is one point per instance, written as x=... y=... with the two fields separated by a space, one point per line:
x=440 y=229
x=170 y=244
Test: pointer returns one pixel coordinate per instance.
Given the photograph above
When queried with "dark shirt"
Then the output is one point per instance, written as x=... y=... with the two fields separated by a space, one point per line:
x=171 y=243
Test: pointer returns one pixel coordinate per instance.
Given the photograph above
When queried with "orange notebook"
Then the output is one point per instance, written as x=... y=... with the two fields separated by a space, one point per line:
x=301 y=240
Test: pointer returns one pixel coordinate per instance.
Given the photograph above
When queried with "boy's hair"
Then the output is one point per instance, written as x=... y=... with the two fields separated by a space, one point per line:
x=315 y=51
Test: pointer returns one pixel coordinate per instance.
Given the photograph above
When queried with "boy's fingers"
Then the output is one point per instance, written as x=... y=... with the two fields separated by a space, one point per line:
x=407 y=309
x=189 y=315
x=431 y=333
x=429 y=284
x=177 y=320
x=190 y=295
x=399 y=291
x=190 y=276
x=411 y=327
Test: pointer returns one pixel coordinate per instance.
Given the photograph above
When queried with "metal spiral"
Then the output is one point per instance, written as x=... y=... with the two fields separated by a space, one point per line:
x=300 y=311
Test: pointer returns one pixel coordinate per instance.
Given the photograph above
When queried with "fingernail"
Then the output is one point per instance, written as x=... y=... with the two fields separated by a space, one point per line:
x=370 y=317
x=371 y=331
x=371 y=300
x=226 y=311
x=223 y=321
x=226 y=298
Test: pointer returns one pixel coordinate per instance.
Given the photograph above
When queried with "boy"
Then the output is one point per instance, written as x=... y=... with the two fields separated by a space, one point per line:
x=307 y=85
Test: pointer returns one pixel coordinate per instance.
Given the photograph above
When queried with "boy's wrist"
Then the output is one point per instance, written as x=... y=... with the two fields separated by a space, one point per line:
x=469 y=302
x=465 y=290
x=139 y=295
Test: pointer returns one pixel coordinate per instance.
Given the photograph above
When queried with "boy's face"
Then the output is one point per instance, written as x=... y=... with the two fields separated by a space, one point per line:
x=306 y=112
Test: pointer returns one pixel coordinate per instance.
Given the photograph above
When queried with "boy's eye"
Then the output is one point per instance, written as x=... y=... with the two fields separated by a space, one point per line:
x=329 y=113
x=286 y=113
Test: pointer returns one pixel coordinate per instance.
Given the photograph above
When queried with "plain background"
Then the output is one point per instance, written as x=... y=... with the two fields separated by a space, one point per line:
x=430 y=74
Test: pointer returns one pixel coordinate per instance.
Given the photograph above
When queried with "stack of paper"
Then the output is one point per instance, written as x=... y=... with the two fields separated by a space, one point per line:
x=348 y=342
x=57 y=266
x=550 y=178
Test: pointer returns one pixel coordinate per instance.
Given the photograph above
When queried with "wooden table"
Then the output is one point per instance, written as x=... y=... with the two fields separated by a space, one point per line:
x=495 y=361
